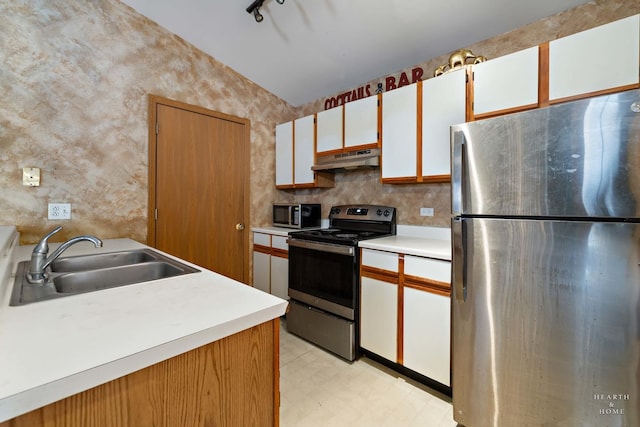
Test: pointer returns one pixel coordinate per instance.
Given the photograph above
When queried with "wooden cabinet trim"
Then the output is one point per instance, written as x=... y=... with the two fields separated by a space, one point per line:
x=543 y=75
x=469 y=90
x=436 y=178
x=280 y=253
x=419 y=131
x=262 y=249
x=429 y=285
x=360 y=147
x=596 y=93
x=505 y=111
x=379 y=274
x=400 y=319
x=400 y=180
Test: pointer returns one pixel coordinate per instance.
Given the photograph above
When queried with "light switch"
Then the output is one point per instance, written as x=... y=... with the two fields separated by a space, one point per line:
x=31 y=177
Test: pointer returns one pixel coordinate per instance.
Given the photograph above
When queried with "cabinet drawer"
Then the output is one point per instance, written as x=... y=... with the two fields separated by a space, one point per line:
x=261 y=239
x=380 y=260
x=432 y=270
x=279 y=242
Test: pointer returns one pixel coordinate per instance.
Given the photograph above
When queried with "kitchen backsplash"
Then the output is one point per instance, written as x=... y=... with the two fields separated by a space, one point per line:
x=76 y=76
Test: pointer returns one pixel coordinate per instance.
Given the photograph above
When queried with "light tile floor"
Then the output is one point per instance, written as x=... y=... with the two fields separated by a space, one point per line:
x=318 y=389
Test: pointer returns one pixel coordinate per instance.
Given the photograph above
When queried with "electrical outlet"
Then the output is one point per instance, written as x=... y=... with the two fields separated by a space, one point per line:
x=59 y=211
x=426 y=211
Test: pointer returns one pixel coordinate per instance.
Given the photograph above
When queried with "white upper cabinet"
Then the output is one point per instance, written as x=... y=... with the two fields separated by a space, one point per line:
x=443 y=105
x=329 y=130
x=284 y=154
x=599 y=59
x=506 y=83
x=399 y=132
x=361 y=122
x=304 y=152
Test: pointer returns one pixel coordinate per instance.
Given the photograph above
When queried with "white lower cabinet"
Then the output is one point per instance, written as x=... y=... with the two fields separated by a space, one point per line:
x=379 y=317
x=262 y=271
x=271 y=264
x=415 y=331
x=427 y=331
x=279 y=267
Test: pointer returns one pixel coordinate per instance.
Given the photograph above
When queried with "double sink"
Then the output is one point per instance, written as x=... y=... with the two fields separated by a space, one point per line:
x=88 y=273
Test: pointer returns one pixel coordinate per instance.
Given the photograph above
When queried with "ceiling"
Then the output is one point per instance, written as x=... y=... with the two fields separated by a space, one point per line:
x=304 y=50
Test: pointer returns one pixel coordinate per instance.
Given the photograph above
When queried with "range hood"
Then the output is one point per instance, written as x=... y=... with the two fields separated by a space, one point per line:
x=342 y=162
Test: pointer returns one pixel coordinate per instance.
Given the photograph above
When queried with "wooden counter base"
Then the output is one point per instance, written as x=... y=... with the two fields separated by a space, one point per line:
x=231 y=382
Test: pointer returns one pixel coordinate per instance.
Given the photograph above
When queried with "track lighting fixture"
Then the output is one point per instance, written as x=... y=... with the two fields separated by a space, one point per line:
x=255 y=9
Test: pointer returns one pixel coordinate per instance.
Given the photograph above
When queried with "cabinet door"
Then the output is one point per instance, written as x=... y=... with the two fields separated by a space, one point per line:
x=280 y=276
x=399 y=132
x=427 y=326
x=280 y=267
x=361 y=122
x=262 y=271
x=284 y=154
x=379 y=317
x=329 y=130
x=598 y=59
x=304 y=152
x=443 y=105
x=507 y=83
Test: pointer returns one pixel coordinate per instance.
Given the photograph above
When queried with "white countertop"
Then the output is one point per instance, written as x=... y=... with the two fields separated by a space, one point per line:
x=431 y=242
x=419 y=246
x=278 y=231
x=53 y=349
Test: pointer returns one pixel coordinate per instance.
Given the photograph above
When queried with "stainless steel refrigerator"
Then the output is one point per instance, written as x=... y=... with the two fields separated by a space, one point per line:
x=546 y=275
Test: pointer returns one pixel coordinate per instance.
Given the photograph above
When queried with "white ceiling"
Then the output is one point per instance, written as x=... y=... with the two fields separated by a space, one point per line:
x=304 y=50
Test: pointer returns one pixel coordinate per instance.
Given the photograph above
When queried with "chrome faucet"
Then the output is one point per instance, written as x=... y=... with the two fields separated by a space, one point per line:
x=40 y=261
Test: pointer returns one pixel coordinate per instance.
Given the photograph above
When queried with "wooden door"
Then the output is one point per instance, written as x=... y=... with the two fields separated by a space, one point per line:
x=199 y=186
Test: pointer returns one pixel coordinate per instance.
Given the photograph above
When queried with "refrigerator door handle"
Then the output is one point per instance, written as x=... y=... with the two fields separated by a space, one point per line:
x=457 y=139
x=459 y=261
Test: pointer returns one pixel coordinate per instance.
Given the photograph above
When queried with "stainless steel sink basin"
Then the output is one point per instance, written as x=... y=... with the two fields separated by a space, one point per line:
x=88 y=273
x=106 y=260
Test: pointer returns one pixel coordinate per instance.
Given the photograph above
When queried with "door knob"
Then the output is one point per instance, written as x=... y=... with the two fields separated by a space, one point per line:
x=239 y=227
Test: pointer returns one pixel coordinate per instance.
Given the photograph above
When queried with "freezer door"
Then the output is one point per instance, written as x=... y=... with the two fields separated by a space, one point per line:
x=578 y=159
x=548 y=333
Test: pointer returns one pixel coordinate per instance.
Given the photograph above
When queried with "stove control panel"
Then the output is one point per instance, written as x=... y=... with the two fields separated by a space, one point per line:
x=363 y=212
x=357 y=211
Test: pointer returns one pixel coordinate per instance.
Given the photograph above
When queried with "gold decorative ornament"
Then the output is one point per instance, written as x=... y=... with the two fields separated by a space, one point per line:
x=459 y=59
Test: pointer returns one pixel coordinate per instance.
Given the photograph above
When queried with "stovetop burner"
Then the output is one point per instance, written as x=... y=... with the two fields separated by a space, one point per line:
x=349 y=224
x=347 y=235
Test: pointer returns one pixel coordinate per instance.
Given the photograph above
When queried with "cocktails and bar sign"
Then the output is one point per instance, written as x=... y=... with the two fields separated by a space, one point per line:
x=390 y=83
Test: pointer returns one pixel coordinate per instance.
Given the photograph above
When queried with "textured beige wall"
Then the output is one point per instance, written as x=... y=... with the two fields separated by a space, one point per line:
x=74 y=81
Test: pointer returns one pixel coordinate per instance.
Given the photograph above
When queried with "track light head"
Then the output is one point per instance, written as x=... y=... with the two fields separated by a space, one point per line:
x=255 y=9
x=257 y=4
x=257 y=15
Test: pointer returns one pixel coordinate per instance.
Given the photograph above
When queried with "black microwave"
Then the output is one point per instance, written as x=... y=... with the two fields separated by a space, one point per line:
x=297 y=215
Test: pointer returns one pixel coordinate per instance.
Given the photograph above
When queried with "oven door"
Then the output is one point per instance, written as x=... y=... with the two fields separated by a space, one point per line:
x=324 y=275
